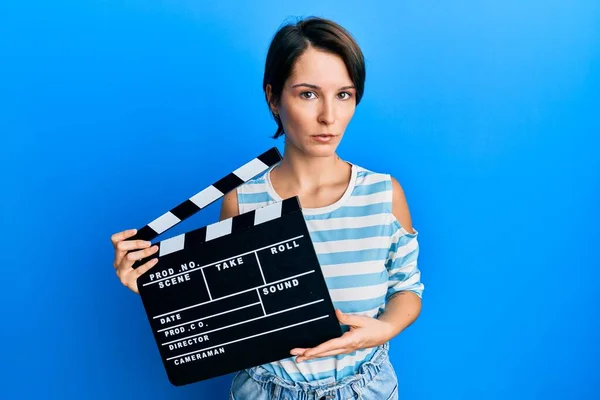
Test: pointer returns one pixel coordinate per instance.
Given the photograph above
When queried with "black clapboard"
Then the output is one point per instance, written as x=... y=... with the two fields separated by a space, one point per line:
x=237 y=293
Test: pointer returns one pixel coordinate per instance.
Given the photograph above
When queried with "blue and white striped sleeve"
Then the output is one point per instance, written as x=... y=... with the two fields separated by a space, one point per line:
x=402 y=263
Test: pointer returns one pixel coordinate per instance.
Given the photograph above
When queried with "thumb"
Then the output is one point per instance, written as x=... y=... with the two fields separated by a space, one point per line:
x=348 y=319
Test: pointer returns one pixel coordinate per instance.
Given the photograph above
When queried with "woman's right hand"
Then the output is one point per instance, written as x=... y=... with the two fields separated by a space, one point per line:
x=125 y=257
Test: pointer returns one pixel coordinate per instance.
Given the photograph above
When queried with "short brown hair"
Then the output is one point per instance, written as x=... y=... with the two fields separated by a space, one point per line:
x=292 y=40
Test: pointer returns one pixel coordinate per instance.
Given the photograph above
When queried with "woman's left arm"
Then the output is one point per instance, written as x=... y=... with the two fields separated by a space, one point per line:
x=403 y=307
x=401 y=310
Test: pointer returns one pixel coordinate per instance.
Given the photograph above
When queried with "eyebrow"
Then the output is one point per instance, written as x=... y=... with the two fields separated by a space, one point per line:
x=318 y=88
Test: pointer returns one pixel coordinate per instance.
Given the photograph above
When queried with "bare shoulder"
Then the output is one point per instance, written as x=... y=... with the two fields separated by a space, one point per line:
x=400 y=207
x=229 y=207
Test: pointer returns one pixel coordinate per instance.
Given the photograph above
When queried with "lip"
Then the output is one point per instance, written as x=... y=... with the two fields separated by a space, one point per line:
x=323 y=138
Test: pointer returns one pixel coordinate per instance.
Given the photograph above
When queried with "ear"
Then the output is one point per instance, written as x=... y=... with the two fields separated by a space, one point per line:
x=268 y=90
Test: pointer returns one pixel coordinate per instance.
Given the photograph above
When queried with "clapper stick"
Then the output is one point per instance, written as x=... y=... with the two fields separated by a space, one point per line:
x=206 y=197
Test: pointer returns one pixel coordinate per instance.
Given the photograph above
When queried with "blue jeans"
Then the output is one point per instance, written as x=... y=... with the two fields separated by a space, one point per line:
x=375 y=380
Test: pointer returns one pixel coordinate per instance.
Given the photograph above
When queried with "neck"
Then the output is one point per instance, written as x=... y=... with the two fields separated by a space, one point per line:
x=306 y=172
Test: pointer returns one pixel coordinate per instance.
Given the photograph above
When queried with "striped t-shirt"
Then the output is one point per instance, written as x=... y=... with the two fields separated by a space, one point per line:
x=364 y=252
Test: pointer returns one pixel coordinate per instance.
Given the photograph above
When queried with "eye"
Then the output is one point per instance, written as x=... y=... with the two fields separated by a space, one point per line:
x=348 y=95
x=305 y=93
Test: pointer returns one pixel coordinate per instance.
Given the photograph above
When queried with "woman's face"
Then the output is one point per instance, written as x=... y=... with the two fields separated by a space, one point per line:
x=317 y=103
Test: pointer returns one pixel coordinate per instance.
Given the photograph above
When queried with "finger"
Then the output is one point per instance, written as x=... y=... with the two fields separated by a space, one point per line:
x=120 y=236
x=128 y=246
x=138 y=255
x=145 y=267
x=125 y=268
x=333 y=344
x=139 y=271
x=349 y=319
x=325 y=354
x=129 y=277
x=297 y=351
x=123 y=246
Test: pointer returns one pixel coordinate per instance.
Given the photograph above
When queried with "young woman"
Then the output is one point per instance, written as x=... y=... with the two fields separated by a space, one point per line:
x=358 y=219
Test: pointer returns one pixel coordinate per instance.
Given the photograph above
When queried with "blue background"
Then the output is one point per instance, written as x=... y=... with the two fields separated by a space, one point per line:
x=487 y=112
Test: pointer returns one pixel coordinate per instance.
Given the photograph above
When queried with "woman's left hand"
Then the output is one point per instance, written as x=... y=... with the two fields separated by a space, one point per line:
x=365 y=332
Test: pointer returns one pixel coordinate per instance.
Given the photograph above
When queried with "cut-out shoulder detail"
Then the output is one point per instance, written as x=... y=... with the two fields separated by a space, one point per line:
x=400 y=207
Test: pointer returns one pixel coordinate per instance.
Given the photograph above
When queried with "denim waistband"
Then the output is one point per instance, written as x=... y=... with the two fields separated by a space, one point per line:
x=317 y=388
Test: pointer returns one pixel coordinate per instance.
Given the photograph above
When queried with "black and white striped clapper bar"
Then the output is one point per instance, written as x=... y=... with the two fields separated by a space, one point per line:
x=237 y=293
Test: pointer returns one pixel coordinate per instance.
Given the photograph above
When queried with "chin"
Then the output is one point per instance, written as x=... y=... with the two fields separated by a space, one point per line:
x=320 y=151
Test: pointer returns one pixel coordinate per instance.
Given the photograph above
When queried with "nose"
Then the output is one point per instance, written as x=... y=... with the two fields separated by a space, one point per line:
x=327 y=112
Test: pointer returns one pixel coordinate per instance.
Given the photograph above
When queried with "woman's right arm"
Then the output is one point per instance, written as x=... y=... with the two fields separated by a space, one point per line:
x=229 y=208
x=125 y=256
